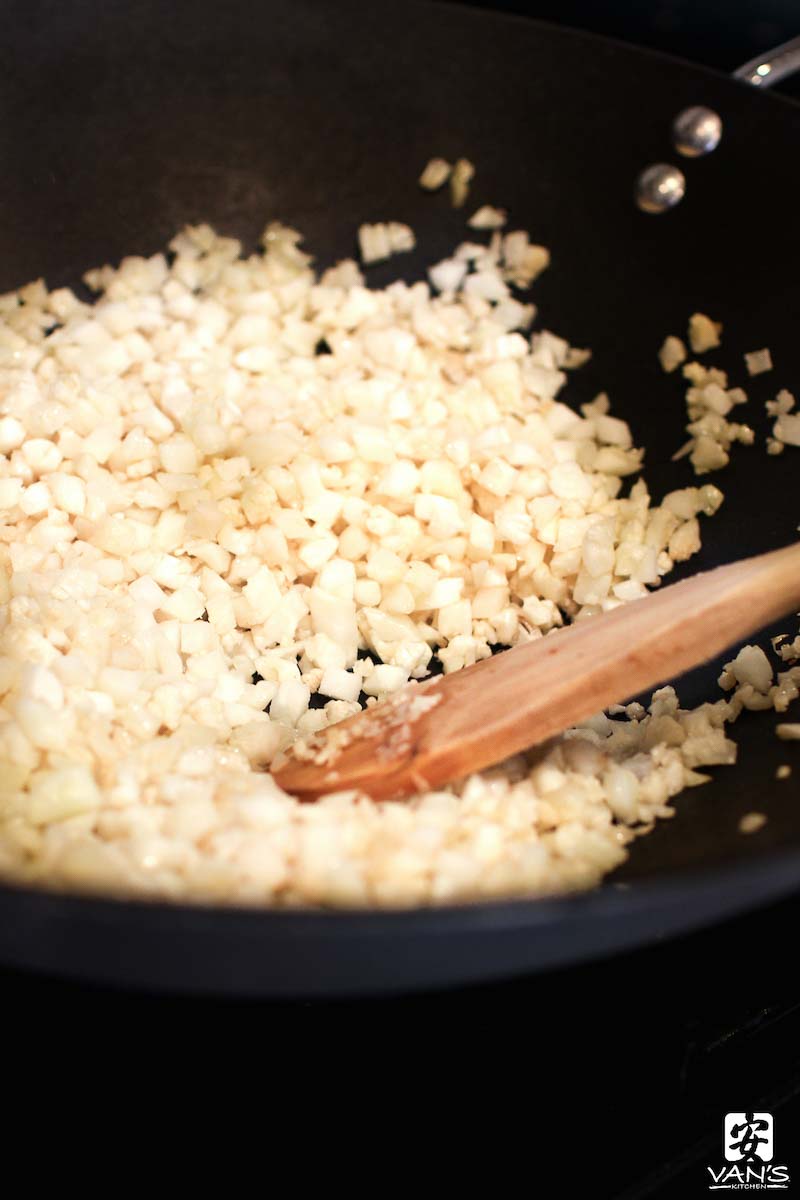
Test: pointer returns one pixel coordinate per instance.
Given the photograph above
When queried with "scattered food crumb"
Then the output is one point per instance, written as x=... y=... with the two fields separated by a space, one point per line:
x=758 y=361
x=672 y=353
x=783 y=403
x=380 y=241
x=460 y=180
x=448 y=275
x=788 y=732
x=789 y=651
x=522 y=260
x=576 y=357
x=709 y=401
x=488 y=217
x=783 y=772
x=704 y=334
x=787 y=429
x=435 y=175
x=752 y=822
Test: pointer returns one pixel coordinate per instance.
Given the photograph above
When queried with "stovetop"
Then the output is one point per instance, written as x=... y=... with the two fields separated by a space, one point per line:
x=638 y=1058
x=624 y=1069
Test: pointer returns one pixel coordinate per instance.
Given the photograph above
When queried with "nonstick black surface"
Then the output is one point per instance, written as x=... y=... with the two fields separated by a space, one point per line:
x=122 y=122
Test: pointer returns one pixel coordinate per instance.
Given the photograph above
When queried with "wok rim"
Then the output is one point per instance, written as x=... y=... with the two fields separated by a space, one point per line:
x=520 y=20
x=608 y=899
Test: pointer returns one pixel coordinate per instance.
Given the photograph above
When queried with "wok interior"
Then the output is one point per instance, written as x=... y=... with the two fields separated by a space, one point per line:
x=123 y=124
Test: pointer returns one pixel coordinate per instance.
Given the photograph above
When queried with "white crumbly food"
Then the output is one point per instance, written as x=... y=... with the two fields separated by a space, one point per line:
x=488 y=217
x=709 y=402
x=381 y=241
x=753 y=684
x=460 y=179
x=206 y=522
x=758 y=361
x=786 y=428
x=704 y=334
x=487 y=272
x=672 y=353
x=436 y=174
x=788 y=651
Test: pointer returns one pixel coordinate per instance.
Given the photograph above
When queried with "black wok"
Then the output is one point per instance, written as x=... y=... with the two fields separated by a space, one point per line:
x=123 y=121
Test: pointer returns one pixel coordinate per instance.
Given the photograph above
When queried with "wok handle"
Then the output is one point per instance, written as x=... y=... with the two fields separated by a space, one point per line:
x=697 y=130
x=773 y=66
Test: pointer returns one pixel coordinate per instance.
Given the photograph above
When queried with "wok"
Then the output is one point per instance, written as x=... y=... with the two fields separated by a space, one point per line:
x=122 y=122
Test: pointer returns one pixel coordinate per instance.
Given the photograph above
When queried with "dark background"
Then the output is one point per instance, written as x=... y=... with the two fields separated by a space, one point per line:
x=610 y=1080
x=718 y=33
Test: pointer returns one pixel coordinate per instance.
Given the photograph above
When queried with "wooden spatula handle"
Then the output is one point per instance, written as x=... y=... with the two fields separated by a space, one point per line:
x=568 y=676
x=511 y=701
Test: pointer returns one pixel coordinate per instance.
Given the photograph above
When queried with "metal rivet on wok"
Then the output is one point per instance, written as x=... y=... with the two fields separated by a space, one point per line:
x=696 y=131
x=660 y=187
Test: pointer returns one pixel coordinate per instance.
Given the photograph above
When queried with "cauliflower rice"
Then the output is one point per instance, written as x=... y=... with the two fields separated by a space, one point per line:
x=236 y=498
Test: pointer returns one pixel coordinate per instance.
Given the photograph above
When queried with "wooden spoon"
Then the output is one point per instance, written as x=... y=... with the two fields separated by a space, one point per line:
x=442 y=729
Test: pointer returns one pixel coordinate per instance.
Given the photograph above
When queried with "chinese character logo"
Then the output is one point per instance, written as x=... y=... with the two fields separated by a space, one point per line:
x=748 y=1137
